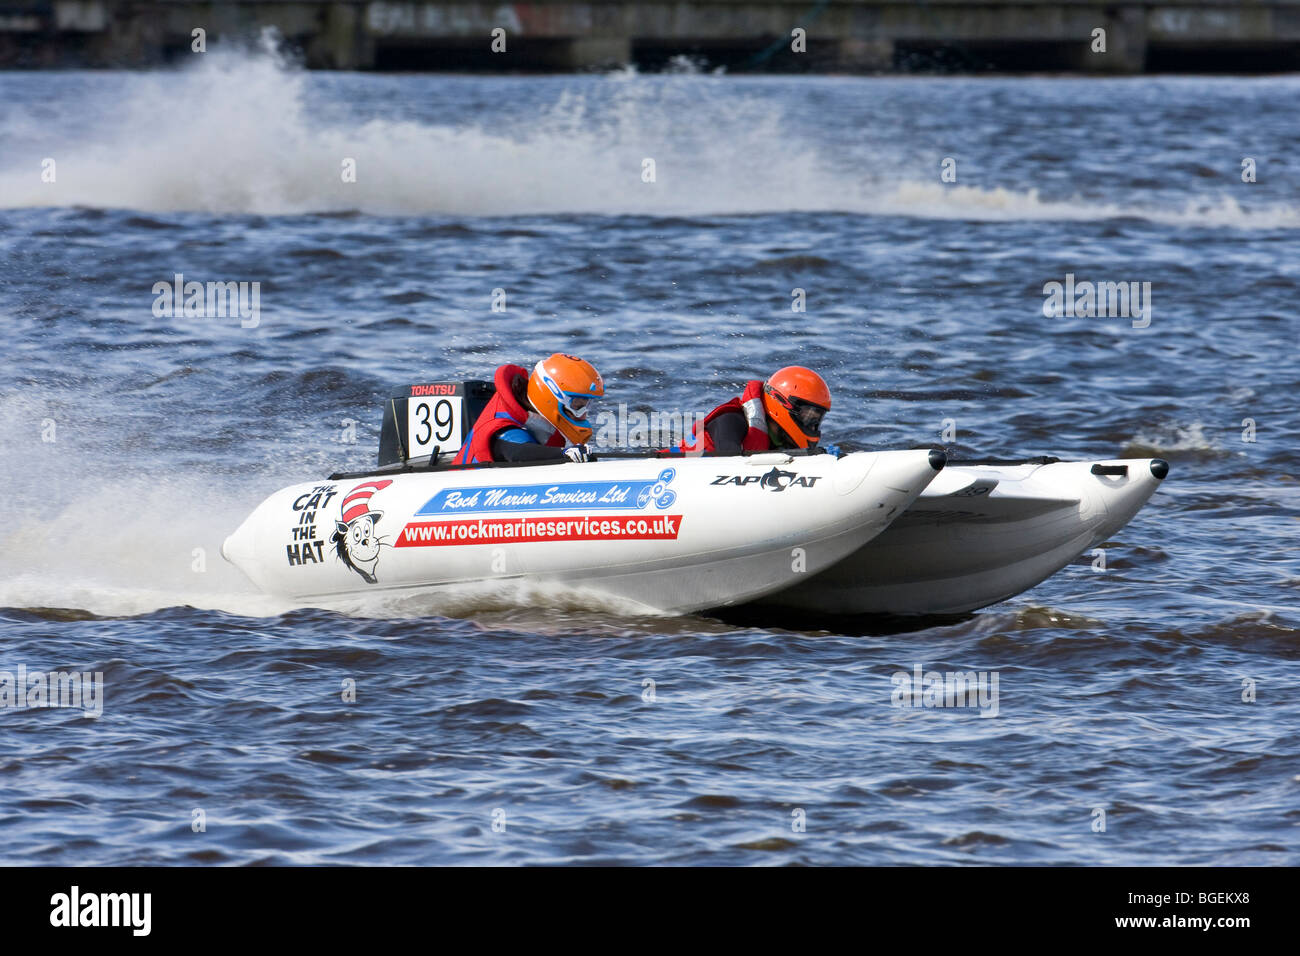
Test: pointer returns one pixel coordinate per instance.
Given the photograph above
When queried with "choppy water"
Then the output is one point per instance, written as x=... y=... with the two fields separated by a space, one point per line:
x=1119 y=690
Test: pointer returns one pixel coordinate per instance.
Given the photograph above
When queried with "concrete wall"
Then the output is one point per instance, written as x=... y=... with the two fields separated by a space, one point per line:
x=842 y=35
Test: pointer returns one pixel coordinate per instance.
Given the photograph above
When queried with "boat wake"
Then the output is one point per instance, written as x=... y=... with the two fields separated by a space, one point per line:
x=80 y=546
x=268 y=138
x=134 y=546
x=472 y=599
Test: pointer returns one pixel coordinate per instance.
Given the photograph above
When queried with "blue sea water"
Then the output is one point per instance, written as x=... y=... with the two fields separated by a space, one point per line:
x=134 y=444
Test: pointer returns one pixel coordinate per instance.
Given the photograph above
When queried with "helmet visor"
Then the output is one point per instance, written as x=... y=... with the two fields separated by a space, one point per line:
x=807 y=416
x=576 y=406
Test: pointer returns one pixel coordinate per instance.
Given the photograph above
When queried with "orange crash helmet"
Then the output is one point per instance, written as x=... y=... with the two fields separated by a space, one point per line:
x=795 y=399
x=561 y=389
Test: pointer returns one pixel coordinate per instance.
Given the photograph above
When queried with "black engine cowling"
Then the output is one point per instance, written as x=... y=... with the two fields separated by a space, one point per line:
x=430 y=419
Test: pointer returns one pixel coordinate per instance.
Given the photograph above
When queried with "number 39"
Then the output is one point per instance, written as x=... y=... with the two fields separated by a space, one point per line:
x=443 y=418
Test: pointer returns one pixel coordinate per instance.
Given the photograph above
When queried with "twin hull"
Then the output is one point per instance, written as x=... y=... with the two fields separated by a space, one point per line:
x=980 y=534
x=673 y=535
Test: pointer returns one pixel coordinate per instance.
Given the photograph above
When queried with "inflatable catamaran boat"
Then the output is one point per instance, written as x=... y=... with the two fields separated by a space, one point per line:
x=868 y=532
x=981 y=533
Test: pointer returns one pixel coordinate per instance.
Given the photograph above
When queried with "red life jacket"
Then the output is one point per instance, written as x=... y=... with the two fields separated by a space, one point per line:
x=503 y=410
x=750 y=404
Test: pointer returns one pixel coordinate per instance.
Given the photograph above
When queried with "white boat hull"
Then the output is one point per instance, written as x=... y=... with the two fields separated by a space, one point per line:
x=672 y=535
x=980 y=534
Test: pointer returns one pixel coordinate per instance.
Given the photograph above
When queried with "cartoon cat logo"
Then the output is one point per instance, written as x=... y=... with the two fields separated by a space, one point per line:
x=355 y=541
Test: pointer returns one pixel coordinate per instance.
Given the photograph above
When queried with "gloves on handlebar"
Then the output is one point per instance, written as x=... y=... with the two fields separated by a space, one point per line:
x=578 y=453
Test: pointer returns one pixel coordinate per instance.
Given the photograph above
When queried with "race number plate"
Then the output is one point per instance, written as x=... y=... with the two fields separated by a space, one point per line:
x=434 y=421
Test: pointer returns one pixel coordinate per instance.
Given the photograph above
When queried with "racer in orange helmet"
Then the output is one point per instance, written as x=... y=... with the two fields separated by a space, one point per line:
x=532 y=414
x=784 y=412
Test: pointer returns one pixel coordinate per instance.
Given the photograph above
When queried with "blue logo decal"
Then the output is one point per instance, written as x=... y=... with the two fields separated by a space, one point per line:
x=561 y=496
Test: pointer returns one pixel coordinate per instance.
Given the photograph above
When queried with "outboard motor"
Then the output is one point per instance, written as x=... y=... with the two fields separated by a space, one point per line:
x=427 y=424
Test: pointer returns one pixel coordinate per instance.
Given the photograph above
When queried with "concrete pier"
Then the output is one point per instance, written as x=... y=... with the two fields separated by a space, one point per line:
x=742 y=35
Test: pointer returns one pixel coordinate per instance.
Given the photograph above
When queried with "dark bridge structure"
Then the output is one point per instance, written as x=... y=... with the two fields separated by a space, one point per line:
x=855 y=36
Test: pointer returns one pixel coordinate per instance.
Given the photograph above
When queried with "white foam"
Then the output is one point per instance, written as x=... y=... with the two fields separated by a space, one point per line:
x=478 y=597
x=234 y=133
x=137 y=544
x=937 y=201
x=89 y=529
x=1173 y=439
